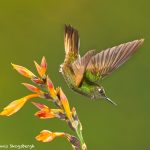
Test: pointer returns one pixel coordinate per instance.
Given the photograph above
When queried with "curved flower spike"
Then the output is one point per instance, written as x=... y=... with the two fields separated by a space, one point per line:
x=48 y=136
x=16 y=105
x=65 y=104
x=23 y=71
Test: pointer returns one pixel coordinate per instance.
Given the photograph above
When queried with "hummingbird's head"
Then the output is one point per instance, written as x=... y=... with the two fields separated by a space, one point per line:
x=100 y=93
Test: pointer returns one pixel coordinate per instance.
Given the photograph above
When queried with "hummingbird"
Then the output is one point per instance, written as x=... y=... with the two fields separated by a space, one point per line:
x=85 y=74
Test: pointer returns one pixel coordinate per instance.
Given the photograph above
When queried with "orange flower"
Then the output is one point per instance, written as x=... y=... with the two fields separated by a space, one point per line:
x=65 y=104
x=47 y=113
x=39 y=106
x=44 y=63
x=41 y=68
x=31 y=88
x=51 y=88
x=48 y=136
x=23 y=71
x=16 y=105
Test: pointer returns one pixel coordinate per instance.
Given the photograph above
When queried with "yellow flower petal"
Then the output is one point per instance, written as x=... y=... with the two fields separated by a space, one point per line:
x=48 y=136
x=16 y=105
x=23 y=71
x=65 y=104
x=47 y=113
x=31 y=88
x=51 y=89
x=39 y=69
x=44 y=63
x=39 y=106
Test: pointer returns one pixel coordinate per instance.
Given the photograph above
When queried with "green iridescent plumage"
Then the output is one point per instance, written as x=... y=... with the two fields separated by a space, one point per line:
x=84 y=74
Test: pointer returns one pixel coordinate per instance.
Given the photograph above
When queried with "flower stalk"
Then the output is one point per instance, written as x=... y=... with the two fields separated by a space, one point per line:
x=45 y=89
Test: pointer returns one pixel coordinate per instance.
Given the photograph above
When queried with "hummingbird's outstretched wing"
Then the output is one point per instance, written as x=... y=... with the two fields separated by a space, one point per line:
x=80 y=64
x=105 y=62
x=71 y=43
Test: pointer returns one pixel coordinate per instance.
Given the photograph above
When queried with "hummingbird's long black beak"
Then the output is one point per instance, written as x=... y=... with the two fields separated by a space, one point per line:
x=109 y=100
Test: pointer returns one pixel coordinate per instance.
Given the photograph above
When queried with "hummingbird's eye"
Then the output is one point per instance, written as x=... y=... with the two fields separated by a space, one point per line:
x=100 y=90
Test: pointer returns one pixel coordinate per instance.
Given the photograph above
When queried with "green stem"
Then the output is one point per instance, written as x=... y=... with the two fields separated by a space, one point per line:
x=79 y=134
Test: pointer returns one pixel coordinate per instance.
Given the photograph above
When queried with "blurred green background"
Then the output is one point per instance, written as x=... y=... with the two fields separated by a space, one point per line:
x=30 y=29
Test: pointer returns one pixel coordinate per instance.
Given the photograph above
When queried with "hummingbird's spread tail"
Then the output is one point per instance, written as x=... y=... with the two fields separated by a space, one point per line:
x=71 y=42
